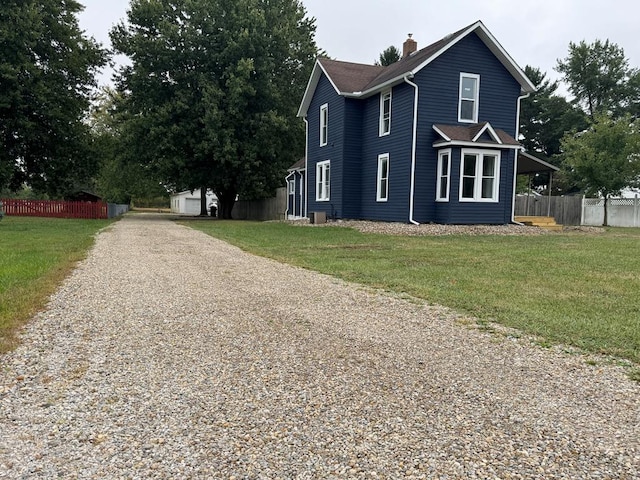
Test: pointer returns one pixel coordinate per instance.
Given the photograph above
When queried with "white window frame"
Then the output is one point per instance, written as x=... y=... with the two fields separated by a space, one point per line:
x=324 y=124
x=440 y=195
x=323 y=181
x=384 y=127
x=292 y=186
x=478 y=176
x=476 y=99
x=382 y=190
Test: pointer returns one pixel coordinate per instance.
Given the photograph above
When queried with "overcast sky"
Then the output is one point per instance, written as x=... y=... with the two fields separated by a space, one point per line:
x=534 y=33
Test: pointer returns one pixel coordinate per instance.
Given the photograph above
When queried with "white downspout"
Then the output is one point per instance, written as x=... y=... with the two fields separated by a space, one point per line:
x=515 y=161
x=306 y=161
x=413 y=148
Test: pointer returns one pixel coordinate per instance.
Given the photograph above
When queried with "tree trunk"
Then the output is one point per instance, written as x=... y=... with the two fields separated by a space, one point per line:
x=203 y=201
x=606 y=220
x=226 y=200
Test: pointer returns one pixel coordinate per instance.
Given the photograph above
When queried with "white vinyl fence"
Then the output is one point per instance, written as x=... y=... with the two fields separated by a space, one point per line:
x=621 y=212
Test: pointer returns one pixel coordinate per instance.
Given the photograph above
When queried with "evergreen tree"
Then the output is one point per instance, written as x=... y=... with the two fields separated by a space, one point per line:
x=389 y=56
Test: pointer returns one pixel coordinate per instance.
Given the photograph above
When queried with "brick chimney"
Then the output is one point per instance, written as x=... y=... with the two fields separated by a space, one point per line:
x=409 y=46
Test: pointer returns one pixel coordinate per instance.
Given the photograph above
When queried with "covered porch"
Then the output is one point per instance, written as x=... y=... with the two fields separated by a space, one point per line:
x=530 y=166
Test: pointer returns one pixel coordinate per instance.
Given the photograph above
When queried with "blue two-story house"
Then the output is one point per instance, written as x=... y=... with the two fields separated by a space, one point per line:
x=430 y=138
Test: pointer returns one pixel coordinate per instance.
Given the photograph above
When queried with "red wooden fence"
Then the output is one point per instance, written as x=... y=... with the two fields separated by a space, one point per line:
x=52 y=208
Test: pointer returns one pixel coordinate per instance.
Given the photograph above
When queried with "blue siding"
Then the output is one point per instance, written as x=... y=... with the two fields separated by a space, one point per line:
x=456 y=212
x=333 y=151
x=398 y=145
x=352 y=156
x=439 y=84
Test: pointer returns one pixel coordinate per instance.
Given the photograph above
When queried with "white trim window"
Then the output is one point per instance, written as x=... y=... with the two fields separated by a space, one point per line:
x=382 y=181
x=324 y=124
x=385 y=113
x=292 y=186
x=479 y=175
x=323 y=181
x=469 y=97
x=444 y=174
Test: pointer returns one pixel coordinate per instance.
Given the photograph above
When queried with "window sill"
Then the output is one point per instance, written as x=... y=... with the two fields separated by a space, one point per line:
x=475 y=200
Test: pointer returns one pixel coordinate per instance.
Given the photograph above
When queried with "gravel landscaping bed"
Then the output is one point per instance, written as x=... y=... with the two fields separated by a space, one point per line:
x=170 y=354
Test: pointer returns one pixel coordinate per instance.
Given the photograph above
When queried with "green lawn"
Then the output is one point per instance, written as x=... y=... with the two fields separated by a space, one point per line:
x=574 y=288
x=35 y=255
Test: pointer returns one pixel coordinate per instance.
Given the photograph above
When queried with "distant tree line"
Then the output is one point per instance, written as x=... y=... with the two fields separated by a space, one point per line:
x=210 y=96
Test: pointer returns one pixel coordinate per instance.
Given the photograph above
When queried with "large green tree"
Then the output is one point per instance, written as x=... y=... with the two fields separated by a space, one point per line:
x=545 y=117
x=605 y=159
x=121 y=175
x=47 y=74
x=213 y=89
x=599 y=77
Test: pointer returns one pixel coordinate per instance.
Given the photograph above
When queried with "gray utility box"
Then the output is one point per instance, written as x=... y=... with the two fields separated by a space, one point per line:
x=318 y=217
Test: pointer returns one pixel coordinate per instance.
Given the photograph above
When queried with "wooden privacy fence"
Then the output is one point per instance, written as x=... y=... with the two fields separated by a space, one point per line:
x=56 y=209
x=566 y=210
x=266 y=209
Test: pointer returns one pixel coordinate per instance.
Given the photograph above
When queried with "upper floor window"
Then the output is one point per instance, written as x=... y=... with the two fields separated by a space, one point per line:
x=479 y=176
x=385 y=113
x=323 y=181
x=468 y=103
x=444 y=172
x=324 y=124
x=382 y=190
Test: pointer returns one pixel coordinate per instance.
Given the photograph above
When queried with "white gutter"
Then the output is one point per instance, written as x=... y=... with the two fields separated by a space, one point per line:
x=515 y=161
x=306 y=170
x=413 y=147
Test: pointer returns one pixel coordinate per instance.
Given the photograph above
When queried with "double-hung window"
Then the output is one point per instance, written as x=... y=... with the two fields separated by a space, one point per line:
x=292 y=187
x=323 y=181
x=469 y=95
x=385 y=113
x=444 y=173
x=382 y=190
x=324 y=124
x=479 y=176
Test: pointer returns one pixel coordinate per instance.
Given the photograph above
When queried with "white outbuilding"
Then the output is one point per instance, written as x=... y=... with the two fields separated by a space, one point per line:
x=188 y=202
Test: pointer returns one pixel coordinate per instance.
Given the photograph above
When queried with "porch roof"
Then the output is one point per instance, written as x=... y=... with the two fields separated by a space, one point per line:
x=528 y=164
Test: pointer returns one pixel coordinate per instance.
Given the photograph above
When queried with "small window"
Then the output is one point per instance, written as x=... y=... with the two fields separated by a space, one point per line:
x=323 y=181
x=444 y=171
x=468 y=106
x=324 y=124
x=292 y=187
x=479 y=176
x=382 y=190
x=385 y=113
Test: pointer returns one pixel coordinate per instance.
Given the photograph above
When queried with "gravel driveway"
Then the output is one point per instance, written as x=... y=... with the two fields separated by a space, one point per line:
x=169 y=354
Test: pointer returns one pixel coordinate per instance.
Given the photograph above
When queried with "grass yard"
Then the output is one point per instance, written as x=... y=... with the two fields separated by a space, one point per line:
x=574 y=288
x=35 y=255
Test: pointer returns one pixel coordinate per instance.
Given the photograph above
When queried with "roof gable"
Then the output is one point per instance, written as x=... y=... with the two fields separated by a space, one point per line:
x=361 y=80
x=479 y=134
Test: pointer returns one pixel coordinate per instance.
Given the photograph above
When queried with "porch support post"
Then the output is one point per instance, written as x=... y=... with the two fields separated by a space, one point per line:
x=549 y=187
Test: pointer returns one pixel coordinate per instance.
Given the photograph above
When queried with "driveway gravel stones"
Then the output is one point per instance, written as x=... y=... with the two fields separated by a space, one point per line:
x=170 y=354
